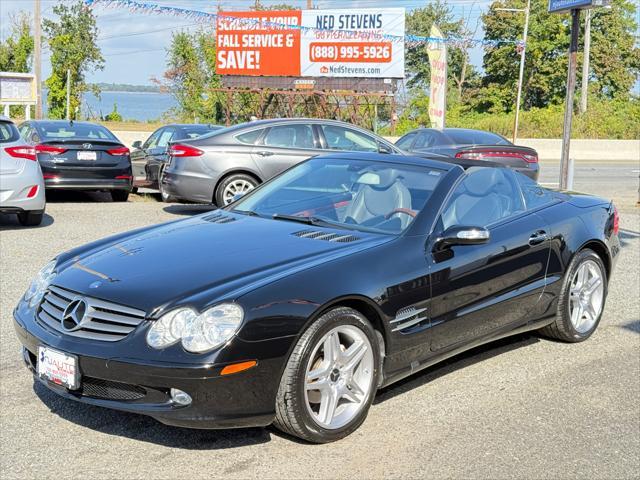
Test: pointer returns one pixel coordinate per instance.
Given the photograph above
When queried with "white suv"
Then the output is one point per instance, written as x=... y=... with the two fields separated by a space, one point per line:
x=21 y=182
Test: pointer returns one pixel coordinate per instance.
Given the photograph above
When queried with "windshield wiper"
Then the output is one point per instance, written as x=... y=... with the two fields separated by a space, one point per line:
x=294 y=218
x=309 y=220
x=249 y=213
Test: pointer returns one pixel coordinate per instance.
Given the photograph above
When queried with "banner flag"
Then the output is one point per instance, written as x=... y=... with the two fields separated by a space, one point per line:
x=437 y=51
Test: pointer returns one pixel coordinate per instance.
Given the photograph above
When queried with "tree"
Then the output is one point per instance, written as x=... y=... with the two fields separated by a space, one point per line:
x=419 y=22
x=73 y=43
x=615 y=60
x=16 y=50
x=191 y=76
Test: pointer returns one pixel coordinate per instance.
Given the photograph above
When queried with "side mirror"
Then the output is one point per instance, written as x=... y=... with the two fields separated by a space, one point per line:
x=137 y=144
x=382 y=148
x=461 y=235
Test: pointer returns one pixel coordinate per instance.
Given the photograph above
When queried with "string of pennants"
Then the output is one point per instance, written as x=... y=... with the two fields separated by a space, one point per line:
x=208 y=18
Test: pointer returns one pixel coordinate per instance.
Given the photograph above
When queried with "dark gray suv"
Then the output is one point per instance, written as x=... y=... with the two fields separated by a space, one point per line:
x=218 y=166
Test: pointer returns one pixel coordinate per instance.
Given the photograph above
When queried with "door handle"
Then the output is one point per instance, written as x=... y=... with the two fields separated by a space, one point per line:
x=264 y=153
x=538 y=237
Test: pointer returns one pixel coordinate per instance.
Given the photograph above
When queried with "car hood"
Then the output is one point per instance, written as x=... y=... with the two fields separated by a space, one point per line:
x=204 y=259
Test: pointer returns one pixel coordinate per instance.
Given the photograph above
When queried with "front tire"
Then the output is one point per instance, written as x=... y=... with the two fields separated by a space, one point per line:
x=30 y=219
x=330 y=379
x=234 y=184
x=581 y=301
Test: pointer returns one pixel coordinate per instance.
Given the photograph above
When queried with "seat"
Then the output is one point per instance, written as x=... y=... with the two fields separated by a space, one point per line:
x=479 y=204
x=379 y=194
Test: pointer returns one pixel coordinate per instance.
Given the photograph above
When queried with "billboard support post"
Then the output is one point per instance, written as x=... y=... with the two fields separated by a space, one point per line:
x=568 y=109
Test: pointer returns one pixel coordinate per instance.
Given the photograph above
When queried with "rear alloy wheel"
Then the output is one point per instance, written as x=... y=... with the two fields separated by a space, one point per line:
x=330 y=379
x=30 y=219
x=120 y=195
x=234 y=184
x=581 y=300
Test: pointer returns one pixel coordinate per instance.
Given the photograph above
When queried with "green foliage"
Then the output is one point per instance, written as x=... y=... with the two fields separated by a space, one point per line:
x=615 y=61
x=191 y=76
x=418 y=22
x=615 y=119
x=114 y=116
x=16 y=49
x=72 y=41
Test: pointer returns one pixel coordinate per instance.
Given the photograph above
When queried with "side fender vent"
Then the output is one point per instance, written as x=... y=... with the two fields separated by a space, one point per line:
x=326 y=236
x=218 y=217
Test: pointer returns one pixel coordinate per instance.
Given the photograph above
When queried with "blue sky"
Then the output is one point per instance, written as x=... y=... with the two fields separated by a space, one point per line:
x=133 y=44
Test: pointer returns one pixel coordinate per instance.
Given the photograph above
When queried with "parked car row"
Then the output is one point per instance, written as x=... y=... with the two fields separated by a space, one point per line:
x=212 y=164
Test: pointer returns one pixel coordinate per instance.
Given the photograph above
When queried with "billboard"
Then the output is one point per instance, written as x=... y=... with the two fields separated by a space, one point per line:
x=565 y=5
x=366 y=43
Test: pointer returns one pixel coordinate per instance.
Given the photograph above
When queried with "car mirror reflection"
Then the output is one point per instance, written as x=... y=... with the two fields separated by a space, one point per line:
x=462 y=235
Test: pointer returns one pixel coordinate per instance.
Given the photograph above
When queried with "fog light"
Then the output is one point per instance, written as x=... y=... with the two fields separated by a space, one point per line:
x=180 y=397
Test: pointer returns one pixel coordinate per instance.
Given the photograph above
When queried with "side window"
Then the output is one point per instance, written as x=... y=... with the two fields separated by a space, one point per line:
x=24 y=131
x=426 y=140
x=152 y=141
x=534 y=195
x=290 y=136
x=485 y=195
x=340 y=138
x=406 y=141
x=165 y=137
x=250 y=138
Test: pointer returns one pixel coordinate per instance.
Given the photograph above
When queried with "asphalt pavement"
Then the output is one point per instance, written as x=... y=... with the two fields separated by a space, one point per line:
x=524 y=407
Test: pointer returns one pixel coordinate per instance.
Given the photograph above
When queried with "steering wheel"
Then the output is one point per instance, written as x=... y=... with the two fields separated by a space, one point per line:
x=406 y=211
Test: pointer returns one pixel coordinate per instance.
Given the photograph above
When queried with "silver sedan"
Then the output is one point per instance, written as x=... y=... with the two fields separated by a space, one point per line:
x=21 y=182
x=226 y=163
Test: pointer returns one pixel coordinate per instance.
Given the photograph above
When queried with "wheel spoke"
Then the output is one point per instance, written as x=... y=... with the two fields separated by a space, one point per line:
x=321 y=385
x=353 y=393
x=353 y=355
x=576 y=315
x=593 y=285
x=332 y=350
x=318 y=373
x=328 y=405
x=582 y=276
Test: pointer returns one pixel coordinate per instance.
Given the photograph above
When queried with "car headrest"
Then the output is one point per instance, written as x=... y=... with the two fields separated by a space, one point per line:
x=481 y=180
x=381 y=179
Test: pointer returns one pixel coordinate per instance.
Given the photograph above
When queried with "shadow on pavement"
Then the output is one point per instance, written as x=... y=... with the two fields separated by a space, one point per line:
x=146 y=429
x=189 y=209
x=10 y=222
x=77 y=196
x=456 y=363
x=633 y=325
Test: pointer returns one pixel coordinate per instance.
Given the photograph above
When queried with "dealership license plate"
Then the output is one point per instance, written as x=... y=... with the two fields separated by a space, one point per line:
x=87 y=156
x=58 y=367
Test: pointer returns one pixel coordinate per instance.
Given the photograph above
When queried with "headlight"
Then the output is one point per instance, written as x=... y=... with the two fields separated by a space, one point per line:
x=40 y=283
x=199 y=333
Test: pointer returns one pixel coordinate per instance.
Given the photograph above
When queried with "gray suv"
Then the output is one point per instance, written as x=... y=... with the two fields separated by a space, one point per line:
x=223 y=164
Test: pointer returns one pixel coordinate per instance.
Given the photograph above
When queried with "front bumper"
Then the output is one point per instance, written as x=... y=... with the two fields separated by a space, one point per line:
x=245 y=399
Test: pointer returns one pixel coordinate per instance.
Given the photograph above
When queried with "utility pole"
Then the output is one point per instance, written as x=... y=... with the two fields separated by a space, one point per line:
x=584 y=92
x=526 y=11
x=37 y=56
x=568 y=109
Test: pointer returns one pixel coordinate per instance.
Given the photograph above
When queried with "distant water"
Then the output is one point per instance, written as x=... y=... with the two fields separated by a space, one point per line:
x=131 y=105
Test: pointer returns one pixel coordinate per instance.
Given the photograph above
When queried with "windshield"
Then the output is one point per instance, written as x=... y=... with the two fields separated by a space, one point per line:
x=80 y=130
x=344 y=193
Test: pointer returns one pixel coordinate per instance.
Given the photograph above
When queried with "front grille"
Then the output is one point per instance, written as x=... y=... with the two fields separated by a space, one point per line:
x=327 y=237
x=102 y=320
x=109 y=390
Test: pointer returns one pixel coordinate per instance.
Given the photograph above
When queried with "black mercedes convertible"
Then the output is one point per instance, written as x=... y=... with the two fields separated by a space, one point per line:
x=295 y=303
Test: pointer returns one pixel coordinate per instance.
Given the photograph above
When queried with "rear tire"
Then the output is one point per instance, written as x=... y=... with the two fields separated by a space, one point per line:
x=582 y=299
x=30 y=219
x=120 y=195
x=232 y=185
x=164 y=196
x=330 y=379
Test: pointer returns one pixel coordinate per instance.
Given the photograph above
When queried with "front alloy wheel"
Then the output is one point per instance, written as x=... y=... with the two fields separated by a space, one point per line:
x=330 y=379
